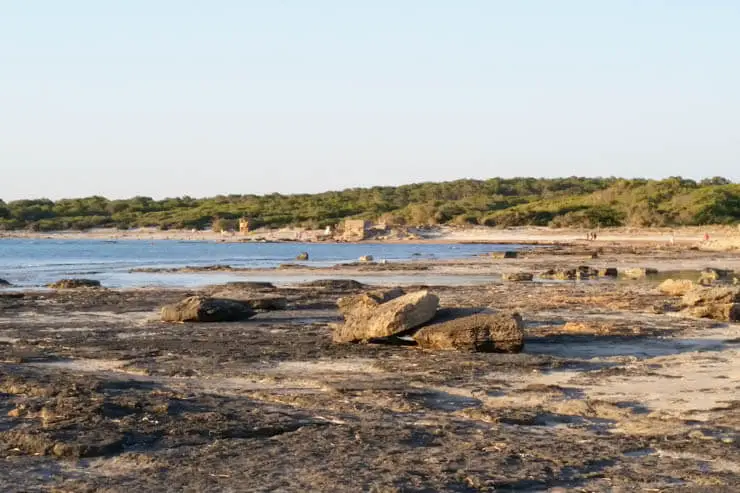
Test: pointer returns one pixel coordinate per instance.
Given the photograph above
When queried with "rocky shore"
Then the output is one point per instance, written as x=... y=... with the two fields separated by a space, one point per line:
x=577 y=381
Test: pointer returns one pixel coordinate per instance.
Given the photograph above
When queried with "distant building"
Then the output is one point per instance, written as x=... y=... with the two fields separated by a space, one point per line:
x=244 y=226
x=355 y=229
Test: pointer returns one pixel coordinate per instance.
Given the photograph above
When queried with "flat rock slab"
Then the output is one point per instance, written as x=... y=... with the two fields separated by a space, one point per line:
x=497 y=333
x=204 y=309
x=388 y=319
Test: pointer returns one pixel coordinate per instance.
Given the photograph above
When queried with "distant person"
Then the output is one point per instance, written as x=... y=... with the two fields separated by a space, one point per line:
x=706 y=236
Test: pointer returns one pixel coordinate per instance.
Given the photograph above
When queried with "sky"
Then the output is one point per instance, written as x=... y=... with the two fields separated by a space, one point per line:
x=182 y=97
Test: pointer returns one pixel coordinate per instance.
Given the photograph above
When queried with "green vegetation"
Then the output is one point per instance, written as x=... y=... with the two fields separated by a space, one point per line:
x=561 y=202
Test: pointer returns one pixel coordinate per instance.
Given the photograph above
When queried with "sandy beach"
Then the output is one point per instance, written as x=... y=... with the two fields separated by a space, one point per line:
x=720 y=237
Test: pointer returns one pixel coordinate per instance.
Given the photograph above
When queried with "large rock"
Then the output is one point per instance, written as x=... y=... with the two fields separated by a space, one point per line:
x=609 y=272
x=676 y=287
x=3 y=282
x=713 y=274
x=499 y=333
x=75 y=284
x=387 y=319
x=204 y=309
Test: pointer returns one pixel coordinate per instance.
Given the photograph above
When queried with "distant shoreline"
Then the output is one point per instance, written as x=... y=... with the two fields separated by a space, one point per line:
x=721 y=237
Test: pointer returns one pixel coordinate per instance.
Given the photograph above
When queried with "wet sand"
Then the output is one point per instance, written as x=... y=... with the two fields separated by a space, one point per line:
x=608 y=395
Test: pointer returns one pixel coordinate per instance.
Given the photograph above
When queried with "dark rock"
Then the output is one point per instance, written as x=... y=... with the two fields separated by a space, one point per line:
x=501 y=332
x=3 y=282
x=609 y=272
x=204 y=309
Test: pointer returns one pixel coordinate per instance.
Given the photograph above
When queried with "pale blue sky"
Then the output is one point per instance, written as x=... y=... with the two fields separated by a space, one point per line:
x=176 y=97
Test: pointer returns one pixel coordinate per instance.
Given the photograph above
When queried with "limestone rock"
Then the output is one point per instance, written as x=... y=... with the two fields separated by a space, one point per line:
x=362 y=305
x=501 y=332
x=204 y=309
x=517 y=276
x=387 y=319
x=676 y=287
x=75 y=284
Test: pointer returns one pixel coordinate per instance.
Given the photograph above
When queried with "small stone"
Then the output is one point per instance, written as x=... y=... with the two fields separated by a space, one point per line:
x=517 y=276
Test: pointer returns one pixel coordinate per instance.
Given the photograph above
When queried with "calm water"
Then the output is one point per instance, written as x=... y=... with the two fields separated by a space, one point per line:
x=27 y=263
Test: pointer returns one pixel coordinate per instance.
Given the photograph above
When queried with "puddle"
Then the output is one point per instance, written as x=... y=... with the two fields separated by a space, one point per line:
x=593 y=347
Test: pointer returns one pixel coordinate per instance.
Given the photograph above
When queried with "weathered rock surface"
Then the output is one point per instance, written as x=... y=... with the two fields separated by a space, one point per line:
x=75 y=284
x=715 y=303
x=639 y=272
x=517 y=276
x=362 y=305
x=387 y=319
x=205 y=309
x=676 y=287
x=500 y=332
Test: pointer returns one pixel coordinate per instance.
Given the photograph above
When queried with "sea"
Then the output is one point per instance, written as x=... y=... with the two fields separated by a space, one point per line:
x=34 y=263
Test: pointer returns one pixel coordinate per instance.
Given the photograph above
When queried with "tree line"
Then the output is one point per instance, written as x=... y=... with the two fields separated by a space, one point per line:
x=498 y=202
